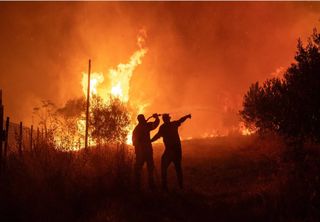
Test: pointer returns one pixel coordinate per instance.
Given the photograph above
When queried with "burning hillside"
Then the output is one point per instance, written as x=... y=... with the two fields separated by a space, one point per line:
x=115 y=85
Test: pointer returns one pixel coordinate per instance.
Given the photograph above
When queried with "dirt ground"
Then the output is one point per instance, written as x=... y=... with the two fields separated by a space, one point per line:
x=239 y=178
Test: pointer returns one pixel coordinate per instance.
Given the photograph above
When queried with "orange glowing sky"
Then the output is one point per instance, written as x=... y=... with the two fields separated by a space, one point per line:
x=201 y=57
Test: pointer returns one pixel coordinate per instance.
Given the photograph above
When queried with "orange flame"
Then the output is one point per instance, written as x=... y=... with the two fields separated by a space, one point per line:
x=95 y=80
x=119 y=78
x=245 y=131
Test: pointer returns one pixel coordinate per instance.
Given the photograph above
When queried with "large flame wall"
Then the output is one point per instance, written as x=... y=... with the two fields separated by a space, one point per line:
x=201 y=57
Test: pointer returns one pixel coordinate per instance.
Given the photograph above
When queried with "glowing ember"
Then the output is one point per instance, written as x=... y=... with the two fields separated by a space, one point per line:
x=245 y=131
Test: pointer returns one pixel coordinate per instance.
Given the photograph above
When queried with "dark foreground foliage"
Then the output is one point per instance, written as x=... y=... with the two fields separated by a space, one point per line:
x=289 y=106
x=227 y=179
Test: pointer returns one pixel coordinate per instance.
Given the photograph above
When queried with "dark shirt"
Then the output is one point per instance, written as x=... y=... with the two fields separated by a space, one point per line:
x=141 y=134
x=170 y=134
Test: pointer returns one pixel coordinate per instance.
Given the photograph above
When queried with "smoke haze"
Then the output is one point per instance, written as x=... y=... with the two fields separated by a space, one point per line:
x=201 y=59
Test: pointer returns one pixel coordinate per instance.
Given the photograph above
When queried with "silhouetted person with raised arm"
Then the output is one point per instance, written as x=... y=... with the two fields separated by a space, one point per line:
x=143 y=148
x=172 y=153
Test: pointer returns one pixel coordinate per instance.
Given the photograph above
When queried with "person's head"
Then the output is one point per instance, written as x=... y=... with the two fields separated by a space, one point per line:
x=166 y=118
x=141 y=118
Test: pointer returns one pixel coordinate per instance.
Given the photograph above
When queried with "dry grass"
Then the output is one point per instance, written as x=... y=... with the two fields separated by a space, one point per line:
x=227 y=179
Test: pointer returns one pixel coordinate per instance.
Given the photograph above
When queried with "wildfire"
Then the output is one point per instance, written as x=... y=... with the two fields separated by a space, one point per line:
x=96 y=79
x=120 y=76
x=117 y=91
x=245 y=131
x=119 y=79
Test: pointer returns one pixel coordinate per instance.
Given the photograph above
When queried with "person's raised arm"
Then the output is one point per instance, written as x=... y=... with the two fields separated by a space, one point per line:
x=182 y=119
x=155 y=123
x=157 y=136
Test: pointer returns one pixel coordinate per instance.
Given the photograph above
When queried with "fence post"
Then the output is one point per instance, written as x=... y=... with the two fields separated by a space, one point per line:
x=1 y=131
x=20 y=139
x=31 y=132
x=6 y=142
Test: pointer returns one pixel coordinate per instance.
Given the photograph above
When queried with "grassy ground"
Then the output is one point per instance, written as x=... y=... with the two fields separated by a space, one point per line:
x=226 y=179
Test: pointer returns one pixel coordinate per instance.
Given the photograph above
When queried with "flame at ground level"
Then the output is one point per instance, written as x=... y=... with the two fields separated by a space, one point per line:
x=244 y=130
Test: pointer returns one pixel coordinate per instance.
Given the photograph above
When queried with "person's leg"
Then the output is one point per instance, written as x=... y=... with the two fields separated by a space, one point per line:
x=137 y=170
x=150 y=166
x=177 y=164
x=165 y=162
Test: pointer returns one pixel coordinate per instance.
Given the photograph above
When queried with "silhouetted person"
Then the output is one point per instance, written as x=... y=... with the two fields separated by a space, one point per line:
x=172 y=153
x=143 y=148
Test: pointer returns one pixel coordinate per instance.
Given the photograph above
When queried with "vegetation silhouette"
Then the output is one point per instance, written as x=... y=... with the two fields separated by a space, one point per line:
x=172 y=153
x=68 y=132
x=46 y=118
x=109 y=122
x=289 y=106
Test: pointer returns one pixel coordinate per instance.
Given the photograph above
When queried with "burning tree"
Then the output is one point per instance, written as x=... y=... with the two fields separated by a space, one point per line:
x=289 y=106
x=118 y=86
x=109 y=122
x=46 y=119
x=69 y=133
x=111 y=110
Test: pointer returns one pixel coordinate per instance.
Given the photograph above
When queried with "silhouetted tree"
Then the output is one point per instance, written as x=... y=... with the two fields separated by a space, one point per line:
x=46 y=119
x=289 y=106
x=69 y=133
x=109 y=121
x=73 y=108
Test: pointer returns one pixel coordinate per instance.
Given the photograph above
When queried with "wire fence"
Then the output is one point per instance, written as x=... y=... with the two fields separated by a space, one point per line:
x=15 y=138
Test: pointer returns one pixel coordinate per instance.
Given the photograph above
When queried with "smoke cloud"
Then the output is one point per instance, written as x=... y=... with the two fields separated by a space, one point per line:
x=201 y=57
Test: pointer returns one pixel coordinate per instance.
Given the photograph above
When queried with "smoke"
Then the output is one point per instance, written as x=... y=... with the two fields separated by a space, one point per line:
x=201 y=57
